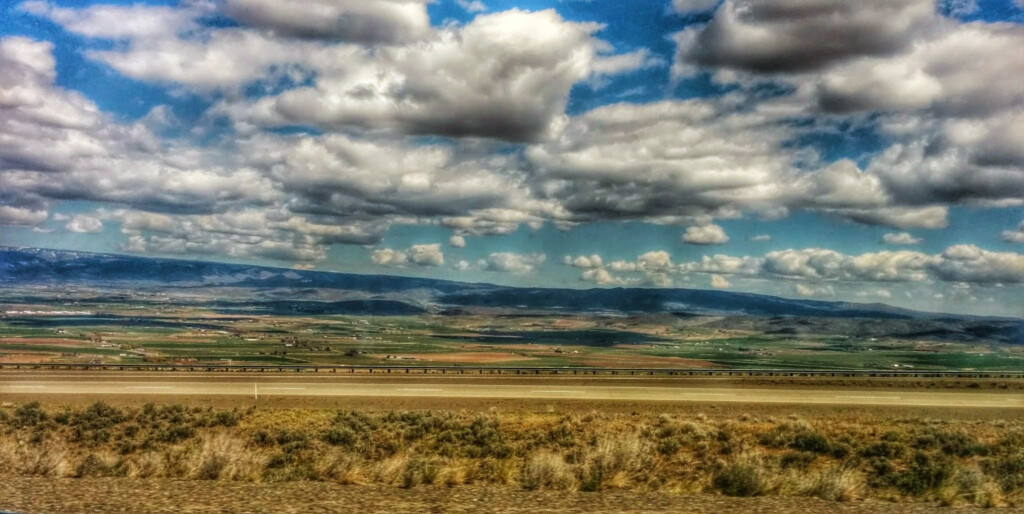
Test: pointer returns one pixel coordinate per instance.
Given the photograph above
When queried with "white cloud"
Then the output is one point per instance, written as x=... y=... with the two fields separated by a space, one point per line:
x=117 y=22
x=1015 y=235
x=685 y=160
x=875 y=293
x=900 y=238
x=601 y=276
x=508 y=262
x=584 y=261
x=382 y=21
x=815 y=290
x=505 y=75
x=761 y=238
x=724 y=264
x=957 y=264
x=622 y=266
x=934 y=217
x=457 y=241
x=709 y=234
x=787 y=35
x=84 y=224
x=968 y=263
x=655 y=261
x=720 y=282
x=691 y=6
x=472 y=6
x=21 y=216
x=424 y=255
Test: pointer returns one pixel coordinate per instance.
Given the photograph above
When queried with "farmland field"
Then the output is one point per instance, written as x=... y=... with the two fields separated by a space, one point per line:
x=140 y=332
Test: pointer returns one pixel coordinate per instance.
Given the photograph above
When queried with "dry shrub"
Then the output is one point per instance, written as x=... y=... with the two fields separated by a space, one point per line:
x=612 y=461
x=149 y=464
x=343 y=467
x=969 y=485
x=47 y=459
x=224 y=457
x=745 y=476
x=390 y=470
x=546 y=470
x=421 y=471
x=494 y=471
x=94 y=465
x=837 y=484
x=452 y=474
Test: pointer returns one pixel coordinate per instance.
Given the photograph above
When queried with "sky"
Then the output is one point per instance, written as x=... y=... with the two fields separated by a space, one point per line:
x=868 y=151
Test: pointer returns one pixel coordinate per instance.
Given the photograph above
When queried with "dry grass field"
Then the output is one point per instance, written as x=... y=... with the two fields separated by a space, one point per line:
x=847 y=456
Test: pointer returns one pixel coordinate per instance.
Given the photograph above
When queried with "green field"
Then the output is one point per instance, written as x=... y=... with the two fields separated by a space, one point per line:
x=111 y=333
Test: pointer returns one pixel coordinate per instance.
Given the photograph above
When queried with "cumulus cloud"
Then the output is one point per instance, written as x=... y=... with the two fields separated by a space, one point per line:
x=382 y=21
x=584 y=261
x=947 y=91
x=1015 y=235
x=900 y=238
x=84 y=224
x=457 y=241
x=685 y=160
x=21 y=216
x=875 y=293
x=472 y=5
x=814 y=290
x=957 y=264
x=483 y=79
x=246 y=233
x=720 y=282
x=602 y=276
x=709 y=234
x=424 y=255
x=507 y=262
x=724 y=264
x=691 y=6
x=117 y=22
x=800 y=35
x=968 y=263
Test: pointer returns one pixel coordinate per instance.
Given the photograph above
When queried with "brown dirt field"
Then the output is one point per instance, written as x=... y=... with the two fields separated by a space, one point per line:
x=72 y=495
x=51 y=341
x=571 y=323
x=27 y=358
x=713 y=410
x=523 y=347
x=466 y=357
x=641 y=361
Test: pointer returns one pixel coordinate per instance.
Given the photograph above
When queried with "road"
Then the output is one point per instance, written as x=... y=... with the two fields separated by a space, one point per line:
x=262 y=387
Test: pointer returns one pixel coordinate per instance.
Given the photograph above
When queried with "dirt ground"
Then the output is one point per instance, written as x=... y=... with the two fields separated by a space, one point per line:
x=69 y=495
x=470 y=357
x=713 y=410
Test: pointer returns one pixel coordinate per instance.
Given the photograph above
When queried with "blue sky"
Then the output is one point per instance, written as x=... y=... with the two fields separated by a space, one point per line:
x=869 y=151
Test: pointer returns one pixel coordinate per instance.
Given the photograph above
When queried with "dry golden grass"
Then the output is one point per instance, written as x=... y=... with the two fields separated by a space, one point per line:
x=955 y=462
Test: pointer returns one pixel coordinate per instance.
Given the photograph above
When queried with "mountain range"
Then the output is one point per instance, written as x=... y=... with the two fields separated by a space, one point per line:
x=279 y=289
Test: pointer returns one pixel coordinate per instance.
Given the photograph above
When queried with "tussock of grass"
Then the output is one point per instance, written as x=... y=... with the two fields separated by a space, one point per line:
x=953 y=462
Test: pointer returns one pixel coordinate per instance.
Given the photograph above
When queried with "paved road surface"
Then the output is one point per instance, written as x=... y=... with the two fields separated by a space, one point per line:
x=548 y=390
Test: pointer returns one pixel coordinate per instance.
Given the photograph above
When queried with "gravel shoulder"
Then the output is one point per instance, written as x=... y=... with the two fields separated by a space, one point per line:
x=66 y=495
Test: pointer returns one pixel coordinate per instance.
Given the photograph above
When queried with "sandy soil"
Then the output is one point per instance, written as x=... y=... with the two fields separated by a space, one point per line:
x=27 y=358
x=467 y=357
x=66 y=495
x=642 y=361
x=49 y=341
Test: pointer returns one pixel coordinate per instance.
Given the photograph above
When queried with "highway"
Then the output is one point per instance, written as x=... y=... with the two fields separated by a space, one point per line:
x=298 y=386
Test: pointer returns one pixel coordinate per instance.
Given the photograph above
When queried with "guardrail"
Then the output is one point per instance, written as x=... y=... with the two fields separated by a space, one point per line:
x=498 y=370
